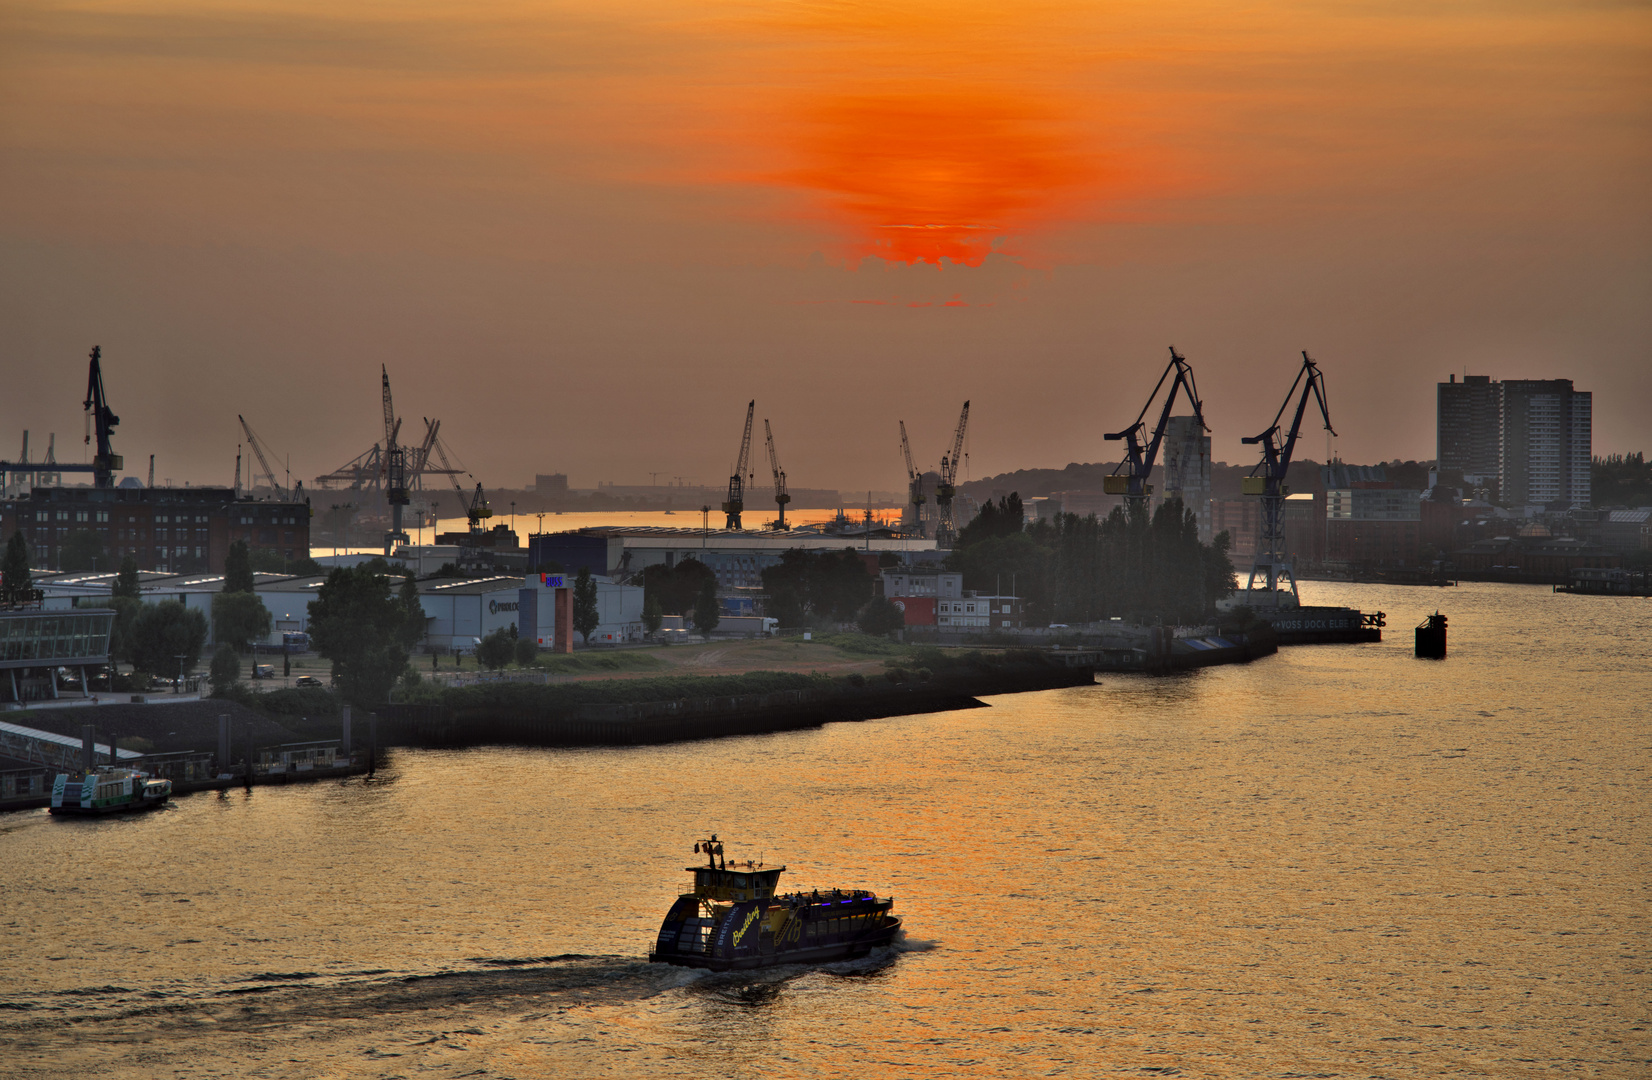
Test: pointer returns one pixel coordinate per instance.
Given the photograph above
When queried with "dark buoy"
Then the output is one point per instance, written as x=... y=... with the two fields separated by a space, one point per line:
x=1431 y=637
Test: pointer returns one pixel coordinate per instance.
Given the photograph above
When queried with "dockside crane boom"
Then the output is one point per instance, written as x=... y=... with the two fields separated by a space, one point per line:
x=946 y=531
x=105 y=463
x=1142 y=446
x=914 y=483
x=263 y=462
x=395 y=469
x=1268 y=480
x=781 y=498
x=737 y=480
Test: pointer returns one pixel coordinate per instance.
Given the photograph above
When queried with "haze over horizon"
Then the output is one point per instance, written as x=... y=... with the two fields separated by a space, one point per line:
x=584 y=235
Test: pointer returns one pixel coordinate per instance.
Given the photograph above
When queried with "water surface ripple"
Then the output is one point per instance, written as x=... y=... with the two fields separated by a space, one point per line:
x=1336 y=862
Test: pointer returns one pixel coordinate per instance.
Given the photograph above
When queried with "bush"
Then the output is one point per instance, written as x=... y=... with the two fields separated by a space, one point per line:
x=880 y=617
x=496 y=649
x=855 y=679
x=526 y=649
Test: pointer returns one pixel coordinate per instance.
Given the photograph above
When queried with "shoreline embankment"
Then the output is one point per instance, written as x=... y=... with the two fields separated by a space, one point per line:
x=528 y=723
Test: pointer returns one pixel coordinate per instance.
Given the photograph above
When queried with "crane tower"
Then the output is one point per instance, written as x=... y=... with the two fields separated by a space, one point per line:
x=1273 y=562
x=736 y=501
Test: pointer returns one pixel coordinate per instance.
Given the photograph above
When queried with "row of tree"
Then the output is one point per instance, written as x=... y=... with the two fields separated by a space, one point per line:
x=831 y=586
x=1145 y=568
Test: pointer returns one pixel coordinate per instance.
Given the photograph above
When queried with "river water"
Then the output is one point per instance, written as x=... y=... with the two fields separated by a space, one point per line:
x=1337 y=862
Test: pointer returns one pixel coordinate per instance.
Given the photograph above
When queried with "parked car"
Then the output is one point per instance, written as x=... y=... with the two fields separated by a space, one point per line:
x=263 y=671
x=308 y=680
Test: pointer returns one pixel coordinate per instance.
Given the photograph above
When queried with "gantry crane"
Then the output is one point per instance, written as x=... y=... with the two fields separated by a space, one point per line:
x=395 y=469
x=263 y=462
x=737 y=480
x=946 y=530
x=1272 y=560
x=1139 y=458
x=781 y=498
x=914 y=484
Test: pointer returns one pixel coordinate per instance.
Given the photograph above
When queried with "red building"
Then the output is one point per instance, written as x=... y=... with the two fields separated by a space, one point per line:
x=182 y=530
x=919 y=610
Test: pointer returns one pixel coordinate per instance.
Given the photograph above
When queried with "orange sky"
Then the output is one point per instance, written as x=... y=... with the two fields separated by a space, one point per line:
x=584 y=234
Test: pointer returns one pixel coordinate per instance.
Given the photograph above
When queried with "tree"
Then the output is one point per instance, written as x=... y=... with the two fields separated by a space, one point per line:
x=586 y=615
x=82 y=550
x=526 y=649
x=413 y=617
x=127 y=582
x=652 y=617
x=357 y=624
x=238 y=569
x=676 y=587
x=880 y=616
x=121 y=639
x=163 y=632
x=14 y=571
x=239 y=618
x=495 y=650
x=706 y=614
x=226 y=668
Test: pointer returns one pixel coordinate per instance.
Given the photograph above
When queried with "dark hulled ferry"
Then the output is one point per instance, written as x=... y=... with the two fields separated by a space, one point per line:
x=734 y=919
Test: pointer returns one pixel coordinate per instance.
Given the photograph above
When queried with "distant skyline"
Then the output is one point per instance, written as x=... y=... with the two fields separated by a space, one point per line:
x=584 y=235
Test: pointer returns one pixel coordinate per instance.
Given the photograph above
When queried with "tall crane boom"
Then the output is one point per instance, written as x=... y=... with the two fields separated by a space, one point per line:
x=737 y=480
x=1141 y=446
x=105 y=463
x=1272 y=560
x=389 y=410
x=914 y=483
x=781 y=498
x=395 y=469
x=263 y=462
x=946 y=531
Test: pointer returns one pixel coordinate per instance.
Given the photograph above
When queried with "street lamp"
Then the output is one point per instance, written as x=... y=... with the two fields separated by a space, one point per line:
x=181 y=658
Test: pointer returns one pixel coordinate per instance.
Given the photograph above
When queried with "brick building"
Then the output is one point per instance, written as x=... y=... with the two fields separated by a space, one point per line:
x=180 y=530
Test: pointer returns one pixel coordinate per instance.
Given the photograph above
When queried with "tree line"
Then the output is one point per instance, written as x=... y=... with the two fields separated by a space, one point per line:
x=1139 y=567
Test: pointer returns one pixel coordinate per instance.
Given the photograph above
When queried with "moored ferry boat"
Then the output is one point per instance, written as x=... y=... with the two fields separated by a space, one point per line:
x=736 y=919
x=111 y=792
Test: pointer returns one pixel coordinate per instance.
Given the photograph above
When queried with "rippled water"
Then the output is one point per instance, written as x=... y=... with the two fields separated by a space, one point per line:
x=1340 y=861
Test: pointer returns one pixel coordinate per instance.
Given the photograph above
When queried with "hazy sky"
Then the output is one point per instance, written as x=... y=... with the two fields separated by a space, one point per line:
x=583 y=234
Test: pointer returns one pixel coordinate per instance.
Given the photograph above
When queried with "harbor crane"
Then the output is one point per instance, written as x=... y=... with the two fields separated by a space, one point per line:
x=1272 y=560
x=946 y=530
x=479 y=511
x=1142 y=447
x=105 y=463
x=914 y=483
x=737 y=480
x=395 y=469
x=781 y=498
x=263 y=462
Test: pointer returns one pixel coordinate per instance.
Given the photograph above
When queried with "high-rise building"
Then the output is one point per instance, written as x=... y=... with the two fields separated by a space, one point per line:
x=1187 y=467
x=1532 y=435
x=1468 y=429
x=1546 y=443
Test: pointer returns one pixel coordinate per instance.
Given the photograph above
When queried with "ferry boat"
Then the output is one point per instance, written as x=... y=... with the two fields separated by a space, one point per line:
x=735 y=919
x=110 y=792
